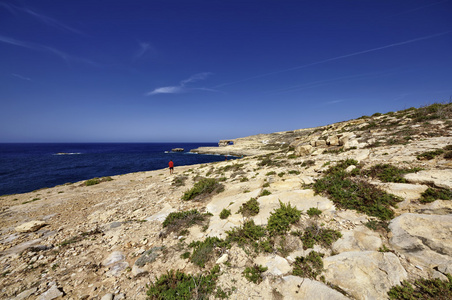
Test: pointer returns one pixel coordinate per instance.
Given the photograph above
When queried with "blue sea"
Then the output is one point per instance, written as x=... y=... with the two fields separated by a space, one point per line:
x=28 y=167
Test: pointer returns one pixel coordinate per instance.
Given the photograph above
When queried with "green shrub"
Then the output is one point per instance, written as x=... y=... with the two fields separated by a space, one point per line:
x=317 y=235
x=308 y=163
x=423 y=289
x=281 y=218
x=281 y=174
x=246 y=234
x=203 y=251
x=296 y=172
x=225 y=213
x=354 y=193
x=432 y=194
x=314 y=212
x=254 y=274
x=430 y=154
x=178 y=285
x=389 y=173
x=250 y=208
x=271 y=173
x=177 y=221
x=179 y=181
x=265 y=193
x=448 y=155
x=97 y=180
x=377 y=225
x=310 y=266
x=204 y=186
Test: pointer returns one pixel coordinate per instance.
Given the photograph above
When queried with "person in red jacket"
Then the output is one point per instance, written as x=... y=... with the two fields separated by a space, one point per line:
x=171 y=167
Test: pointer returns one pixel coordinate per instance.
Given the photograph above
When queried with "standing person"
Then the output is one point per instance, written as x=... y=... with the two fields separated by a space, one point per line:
x=171 y=167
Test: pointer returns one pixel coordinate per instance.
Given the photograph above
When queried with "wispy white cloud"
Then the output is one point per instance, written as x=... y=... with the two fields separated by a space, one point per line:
x=144 y=48
x=42 y=48
x=21 y=77
x=182 y=87
x=40 y=17
x=334 y=102
x=337 y=58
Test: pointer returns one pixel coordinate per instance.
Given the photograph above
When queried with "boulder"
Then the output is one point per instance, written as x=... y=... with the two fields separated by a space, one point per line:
x=51 y=293
x=333 y=140
x=30 y=226
x=366 y=274
x=425 y=239
x=303 y=150
x=320 y=143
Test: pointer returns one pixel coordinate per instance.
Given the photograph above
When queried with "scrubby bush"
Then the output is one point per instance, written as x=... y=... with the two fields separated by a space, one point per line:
x=225 y=213
x=310 y=266
x=433 y=289
x=177 y=221
x=250 y=208
x=314 y=212
x=350 y=192
x=281 y=218
x=204 y=186
x=389 y=173
x=178 y=285
x=254 y=273
x=432 y=194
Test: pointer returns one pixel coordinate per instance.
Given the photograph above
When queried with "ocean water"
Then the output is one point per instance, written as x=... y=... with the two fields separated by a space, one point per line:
x=28 y=167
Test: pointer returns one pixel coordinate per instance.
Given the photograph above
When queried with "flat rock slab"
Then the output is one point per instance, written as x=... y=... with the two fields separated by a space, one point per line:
x=366 y=274
x=439 y=178
x=276 y=265
x=162 y=214
x=30 y=226
x=426 y=239
x=294 y=287
x=359 y=239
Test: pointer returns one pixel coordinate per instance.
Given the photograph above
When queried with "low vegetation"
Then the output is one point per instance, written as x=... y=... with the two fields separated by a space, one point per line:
x=254 y=273
x=349 y=191
x=310 y=266
x=225 y=213
x=97 y=180
x=203 y=251
x=389 y=173
x=432 y=194
x=203 y=188
x=249 y=208
x=178 y=285
x=281 y=218
x=313 y=235
x=423 y=289
x=178 y=221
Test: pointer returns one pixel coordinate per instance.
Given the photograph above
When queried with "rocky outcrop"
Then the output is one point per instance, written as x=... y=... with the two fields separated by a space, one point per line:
x=365 y=274
x=108 y=241
x=424 y=239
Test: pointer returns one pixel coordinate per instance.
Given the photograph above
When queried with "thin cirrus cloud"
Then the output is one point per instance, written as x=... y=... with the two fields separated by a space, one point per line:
x=337 y=58
x=182 y=87
x=42 y=48
x=40 y=17
x=144 y=48
x=21 y=77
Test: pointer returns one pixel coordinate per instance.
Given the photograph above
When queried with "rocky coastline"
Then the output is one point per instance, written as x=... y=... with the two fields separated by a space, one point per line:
x=117 y=238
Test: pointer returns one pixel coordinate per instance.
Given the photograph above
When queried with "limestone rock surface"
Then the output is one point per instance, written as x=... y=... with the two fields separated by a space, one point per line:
x=365 y=274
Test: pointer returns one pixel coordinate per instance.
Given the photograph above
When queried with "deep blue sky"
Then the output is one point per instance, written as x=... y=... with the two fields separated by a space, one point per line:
x=189 y=70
